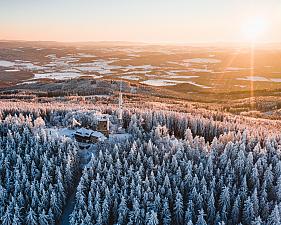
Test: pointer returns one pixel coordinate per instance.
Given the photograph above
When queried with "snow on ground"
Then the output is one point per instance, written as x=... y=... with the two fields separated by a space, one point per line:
x=101 y=66
x=159 y=83
x=20 y=60
x=29 y=66
x=236 y=69
x=20 y=64
x=173 y=74
x=151 y=75
x=5 y=63
x=185 y=64
x=27 y=82
x=241 y=86
x=183 y=77
x=144 y=67
x=138 y=72
x=276 y=80
x=133 y=55
x=202 y=60
x=62 y=75
x=97 y=96
x=130 y=77
x=198 y=70
x=197 y=85
x=131 y=50
x=51 y=56
x=64 y=61
x=258 y=78
x=66 y=132
x=94 y=69
x=253 y=78
x=85 y=55
x=61 y=132
x=190 y=62
x=12 y=70
x=70 y=70
x=17 y=50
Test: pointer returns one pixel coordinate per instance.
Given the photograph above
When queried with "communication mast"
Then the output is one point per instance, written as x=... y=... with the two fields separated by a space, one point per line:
x=120 y=107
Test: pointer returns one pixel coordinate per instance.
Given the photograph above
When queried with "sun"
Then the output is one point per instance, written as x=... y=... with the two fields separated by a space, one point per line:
x=254 y=28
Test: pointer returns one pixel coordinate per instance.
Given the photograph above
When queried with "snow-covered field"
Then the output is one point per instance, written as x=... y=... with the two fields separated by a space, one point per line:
x=236 y=69
x=153 y=65
x=20 y=64
x=202 y=60
x=130 y=77
x=183 y=77
x=259 y=78
x=5 y=63
x=198 y=85
x=159 y=83
x=12 y=70
x=62 y=75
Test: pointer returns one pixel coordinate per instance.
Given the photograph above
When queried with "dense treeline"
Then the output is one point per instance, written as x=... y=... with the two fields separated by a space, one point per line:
x=200 y=167
x=158 y=179
x=200 y=121
x=36 y=172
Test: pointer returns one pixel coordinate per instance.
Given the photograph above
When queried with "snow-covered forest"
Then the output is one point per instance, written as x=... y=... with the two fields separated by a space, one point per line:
x=193 y=167
x=162 y=180
x=36 y=172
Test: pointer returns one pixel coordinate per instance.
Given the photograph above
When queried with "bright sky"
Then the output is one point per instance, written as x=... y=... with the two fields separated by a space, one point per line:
x=180 y=21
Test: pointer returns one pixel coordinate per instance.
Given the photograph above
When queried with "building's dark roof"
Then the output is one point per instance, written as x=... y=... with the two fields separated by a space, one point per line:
x=83 y=132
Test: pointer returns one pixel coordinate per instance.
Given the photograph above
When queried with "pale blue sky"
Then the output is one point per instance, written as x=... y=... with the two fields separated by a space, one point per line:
x=137 y=20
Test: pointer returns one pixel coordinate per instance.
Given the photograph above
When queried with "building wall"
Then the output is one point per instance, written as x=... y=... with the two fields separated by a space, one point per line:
x=90 y=139
x=103 y=127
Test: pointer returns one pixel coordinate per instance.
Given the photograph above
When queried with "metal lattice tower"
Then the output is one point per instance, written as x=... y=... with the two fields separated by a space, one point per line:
x=120 y=105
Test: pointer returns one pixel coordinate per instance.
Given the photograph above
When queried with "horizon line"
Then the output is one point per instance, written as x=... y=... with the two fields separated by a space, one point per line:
x=146 y=42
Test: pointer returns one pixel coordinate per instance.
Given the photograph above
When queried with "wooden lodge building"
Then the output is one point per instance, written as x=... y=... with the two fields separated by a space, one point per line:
x=100 y=132
x=88 y=136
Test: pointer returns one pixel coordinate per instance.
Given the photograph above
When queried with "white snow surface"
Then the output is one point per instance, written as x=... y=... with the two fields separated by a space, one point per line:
x=183 y=77
x=28 y=82
x=101 y=66
x=5 y=63
x=138 y=72
x=198 y=70
x=130 y=77
x=202 y=60
x=198 y=85
x=241 y=86
x=61 y=75
x=159 y=83
x=12 y=70
x=144 y=67
x=259 y=78
x=236 y=69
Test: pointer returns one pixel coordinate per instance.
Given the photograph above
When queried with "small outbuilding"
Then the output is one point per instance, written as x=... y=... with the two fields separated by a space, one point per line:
x=103 y=124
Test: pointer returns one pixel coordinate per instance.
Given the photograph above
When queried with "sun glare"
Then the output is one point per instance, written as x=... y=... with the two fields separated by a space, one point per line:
x=254 y=29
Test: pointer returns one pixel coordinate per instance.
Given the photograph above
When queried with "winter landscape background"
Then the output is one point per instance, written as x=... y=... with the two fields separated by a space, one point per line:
x=150 y=112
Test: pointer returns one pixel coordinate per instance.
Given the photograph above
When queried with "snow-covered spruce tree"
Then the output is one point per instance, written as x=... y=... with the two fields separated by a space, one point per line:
x=35 y=172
